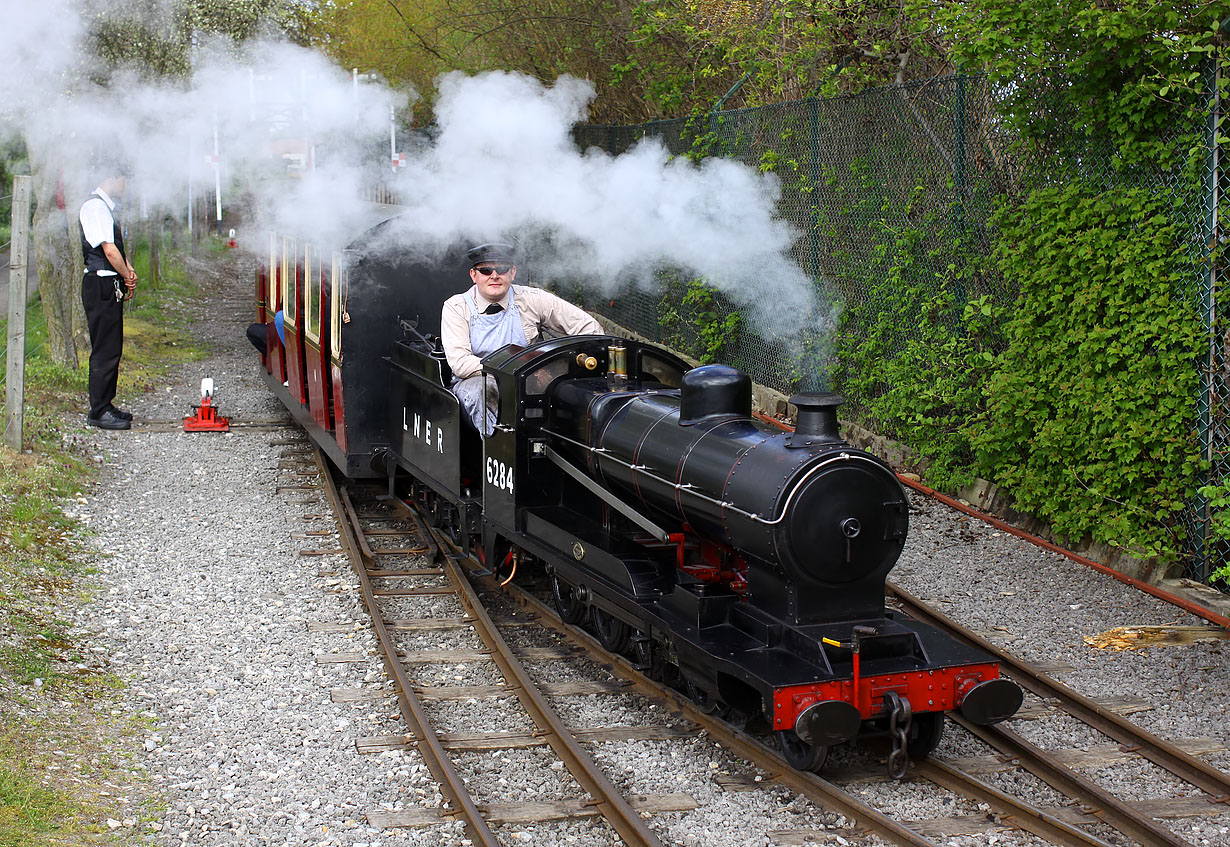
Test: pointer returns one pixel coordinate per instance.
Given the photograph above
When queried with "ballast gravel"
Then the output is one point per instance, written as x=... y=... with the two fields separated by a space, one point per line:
x=211 y=593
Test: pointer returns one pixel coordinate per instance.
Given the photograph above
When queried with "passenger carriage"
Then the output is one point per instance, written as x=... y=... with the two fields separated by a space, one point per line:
x=342 y=306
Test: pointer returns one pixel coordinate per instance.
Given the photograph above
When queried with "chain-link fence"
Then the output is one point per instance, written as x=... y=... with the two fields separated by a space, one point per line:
x=907 y=178
x=855 y=173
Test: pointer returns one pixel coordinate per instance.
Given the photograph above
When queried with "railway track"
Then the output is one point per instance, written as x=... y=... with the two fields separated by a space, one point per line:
x=379 y=583
x=379 y=531
x=1132 y=739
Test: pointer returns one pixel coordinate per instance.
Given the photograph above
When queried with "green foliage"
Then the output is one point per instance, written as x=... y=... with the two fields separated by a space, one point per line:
x=1221 y=574
x=1078 y=73
x=915 y=355
x=702 y=324
x=715 y=327
x=157 y=39
x=1091 y=409
x=689 y=54
x=1216 y=496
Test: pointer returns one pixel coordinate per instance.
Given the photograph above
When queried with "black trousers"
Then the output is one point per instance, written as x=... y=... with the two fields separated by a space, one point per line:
x=105 y=317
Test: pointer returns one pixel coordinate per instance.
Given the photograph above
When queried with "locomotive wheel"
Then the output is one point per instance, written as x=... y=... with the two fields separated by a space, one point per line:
x=436 y=512
x=737 y=718
x=799 y=754
x=570 y=607
x=452 y=523
x=926 y=731
x=613 y=634
x=704 y=701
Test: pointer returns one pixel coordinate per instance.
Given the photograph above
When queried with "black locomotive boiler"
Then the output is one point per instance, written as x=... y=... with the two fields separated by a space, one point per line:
x=744 y=564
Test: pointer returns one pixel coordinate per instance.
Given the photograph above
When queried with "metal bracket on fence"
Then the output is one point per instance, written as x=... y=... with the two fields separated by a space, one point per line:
x=722 y=100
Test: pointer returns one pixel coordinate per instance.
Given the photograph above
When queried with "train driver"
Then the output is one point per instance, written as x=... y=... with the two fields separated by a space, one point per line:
x=491 y=314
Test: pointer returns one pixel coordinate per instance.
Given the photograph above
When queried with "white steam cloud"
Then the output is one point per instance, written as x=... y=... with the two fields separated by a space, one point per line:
x=503 y=161
x=237 y=120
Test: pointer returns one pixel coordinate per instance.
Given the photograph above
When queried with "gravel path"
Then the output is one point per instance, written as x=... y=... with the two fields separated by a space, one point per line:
x=206 y=599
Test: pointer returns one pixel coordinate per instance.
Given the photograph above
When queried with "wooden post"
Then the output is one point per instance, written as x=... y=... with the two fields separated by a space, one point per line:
x=15 y=376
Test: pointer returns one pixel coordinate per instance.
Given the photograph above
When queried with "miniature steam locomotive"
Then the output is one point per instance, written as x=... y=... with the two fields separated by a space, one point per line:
x=744 y=563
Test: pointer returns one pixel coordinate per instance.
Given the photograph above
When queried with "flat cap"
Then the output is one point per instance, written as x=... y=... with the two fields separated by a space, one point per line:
x=495 y=251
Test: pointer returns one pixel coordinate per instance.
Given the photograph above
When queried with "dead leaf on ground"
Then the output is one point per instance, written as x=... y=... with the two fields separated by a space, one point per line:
x=1140 y=637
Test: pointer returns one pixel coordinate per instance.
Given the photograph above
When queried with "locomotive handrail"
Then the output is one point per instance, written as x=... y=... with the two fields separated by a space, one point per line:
x=721 y=504
x=607 y=497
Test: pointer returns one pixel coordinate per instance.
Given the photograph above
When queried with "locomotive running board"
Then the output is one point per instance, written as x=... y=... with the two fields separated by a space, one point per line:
x=602 y=494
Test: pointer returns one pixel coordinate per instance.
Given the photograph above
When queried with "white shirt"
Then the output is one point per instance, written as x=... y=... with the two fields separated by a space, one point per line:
x=539 y=310
x=98 y=223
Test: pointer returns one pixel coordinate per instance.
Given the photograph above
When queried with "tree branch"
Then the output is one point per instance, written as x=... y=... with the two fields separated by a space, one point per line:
x=410 y=28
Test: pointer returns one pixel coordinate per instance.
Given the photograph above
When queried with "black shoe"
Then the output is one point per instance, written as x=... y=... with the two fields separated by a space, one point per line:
x=109 y=420
x=120 y=413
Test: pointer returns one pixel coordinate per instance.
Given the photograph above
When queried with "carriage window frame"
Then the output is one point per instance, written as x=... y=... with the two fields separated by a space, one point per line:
x=663 y=371
x=533 y=383
x=311 y=294
x=289 y=281
x=271 y=280
x=339 y=282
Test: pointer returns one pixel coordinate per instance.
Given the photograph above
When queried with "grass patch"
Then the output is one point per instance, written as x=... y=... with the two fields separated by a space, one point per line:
x=54 y=740
x=30 y=810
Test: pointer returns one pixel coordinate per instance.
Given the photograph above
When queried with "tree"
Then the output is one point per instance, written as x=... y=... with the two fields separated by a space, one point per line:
x=413 y=42
x=401 y=42
x=57 y=257
x=1122 y=71
x=691 y=55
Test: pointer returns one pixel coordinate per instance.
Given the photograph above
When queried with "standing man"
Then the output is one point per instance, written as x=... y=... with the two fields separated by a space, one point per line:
x=109 y=280
x=492 y=314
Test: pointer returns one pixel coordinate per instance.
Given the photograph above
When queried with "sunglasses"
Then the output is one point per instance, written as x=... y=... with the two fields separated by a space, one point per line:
x=498 y=269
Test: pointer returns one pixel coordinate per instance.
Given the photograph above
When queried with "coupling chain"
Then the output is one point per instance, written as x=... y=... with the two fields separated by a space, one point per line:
x=899 y=715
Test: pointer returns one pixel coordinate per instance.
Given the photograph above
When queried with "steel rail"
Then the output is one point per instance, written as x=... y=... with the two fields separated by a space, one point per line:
x=425 y=739
x=827 y=795
x=1161 y=752
x=1015 y=812
x=820 y=791
x=607 y=798
x=1106 y=806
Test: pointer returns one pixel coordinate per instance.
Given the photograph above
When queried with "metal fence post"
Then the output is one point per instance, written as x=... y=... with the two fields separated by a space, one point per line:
x=15 y=388
x=1203 y=554
x=810 y=379
x=960 y=208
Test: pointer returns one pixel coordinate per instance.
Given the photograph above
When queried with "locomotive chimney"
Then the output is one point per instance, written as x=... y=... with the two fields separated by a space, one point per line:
x=817 y=419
